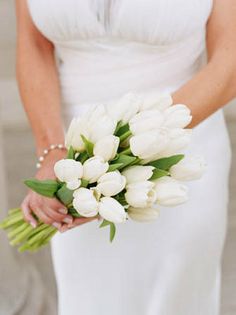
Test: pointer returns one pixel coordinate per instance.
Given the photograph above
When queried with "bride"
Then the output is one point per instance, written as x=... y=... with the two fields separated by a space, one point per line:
x=81 y=52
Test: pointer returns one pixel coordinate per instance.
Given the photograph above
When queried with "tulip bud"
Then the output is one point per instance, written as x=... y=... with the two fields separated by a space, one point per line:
x=93 y=168
x=143 y=214
x=73 y=138
x=145 y=121
x=177 y=116
x=189 y=168
x=85 y=203
x=107 y=147
x=179 y=139
x=138 y=173
x=141 y=194
x=125 y=108
x=111 y=210
x=150 y=143
x=100 y=124
x=70 y=172
x=111 y=183
x=156 y=101
x=170 y=192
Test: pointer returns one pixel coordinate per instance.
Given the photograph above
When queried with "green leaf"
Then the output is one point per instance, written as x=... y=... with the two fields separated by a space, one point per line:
x=65 y=195
x=47 y=188
x=74 y=213
x=125 y=160
x=88 y=145
x=70 y=153
x=158 y=173
x=121 y=129
x=166 y=163
x=112 y=231
x=104 y=223
x=83 y=156
x=84 y=183
x=112 y=228
x=118 y=126
x=121 y=198
x=114 y=167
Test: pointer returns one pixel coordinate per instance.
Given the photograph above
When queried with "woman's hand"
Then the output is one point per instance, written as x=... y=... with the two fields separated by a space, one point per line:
x=50 y=211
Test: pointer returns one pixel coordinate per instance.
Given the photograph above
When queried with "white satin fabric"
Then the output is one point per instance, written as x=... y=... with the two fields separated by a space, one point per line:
x=106 y=48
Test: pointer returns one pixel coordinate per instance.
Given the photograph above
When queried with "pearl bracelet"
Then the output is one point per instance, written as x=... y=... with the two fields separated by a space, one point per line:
x=46 y=152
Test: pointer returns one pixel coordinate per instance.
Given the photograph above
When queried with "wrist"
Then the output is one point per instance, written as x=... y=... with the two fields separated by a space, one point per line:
x=46 y=171
x=51 y=155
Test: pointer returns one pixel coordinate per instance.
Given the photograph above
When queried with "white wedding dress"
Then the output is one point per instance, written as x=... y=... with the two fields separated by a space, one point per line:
x=171 y=266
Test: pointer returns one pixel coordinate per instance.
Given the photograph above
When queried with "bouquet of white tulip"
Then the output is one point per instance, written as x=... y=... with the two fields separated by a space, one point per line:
x=124 y=161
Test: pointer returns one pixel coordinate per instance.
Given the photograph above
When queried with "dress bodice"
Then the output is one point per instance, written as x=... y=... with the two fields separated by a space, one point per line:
x=108 y=47
x=152 y=21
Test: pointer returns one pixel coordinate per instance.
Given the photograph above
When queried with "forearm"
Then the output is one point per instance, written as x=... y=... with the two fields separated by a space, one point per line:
x=215 y=85
x=210 y=89
x=40 y=93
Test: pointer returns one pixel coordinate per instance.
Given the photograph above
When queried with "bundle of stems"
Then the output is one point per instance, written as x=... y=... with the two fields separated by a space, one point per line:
x=23 y=235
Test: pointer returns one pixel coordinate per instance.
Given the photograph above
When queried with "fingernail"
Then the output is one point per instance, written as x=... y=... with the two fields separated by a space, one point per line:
x=63 y=211
x=63 y=229
x=68 y=220
x=56 y=225
x=33 y=224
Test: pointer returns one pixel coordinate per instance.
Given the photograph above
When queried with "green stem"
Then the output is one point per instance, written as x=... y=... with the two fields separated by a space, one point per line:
x=14 y=211
x=38 y=230
x=40 y=236
x=9 y=221
x=18 y=230
x=22 y=236
x=125 y=135
x=126 y=151
x=135 y=162
x=42 y=239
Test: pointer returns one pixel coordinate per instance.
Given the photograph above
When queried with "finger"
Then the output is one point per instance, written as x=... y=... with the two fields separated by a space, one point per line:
x=80 y=221
x=57 y=217
x=43 y=216
x=27 y=213
x=76 y=222
x=58 y=206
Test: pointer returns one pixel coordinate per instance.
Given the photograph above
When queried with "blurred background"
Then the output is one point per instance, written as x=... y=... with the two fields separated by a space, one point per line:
x=27 y=284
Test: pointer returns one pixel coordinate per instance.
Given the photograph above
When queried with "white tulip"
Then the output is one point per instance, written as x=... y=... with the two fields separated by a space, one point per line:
x=125 y=108
x=100 y=124
x=138 y=173
x=93 y=168
x=156 y=101
x=148 y=144
x=179 y=139
x=73 y=138
x=85 y=202
x=70 y=172
x=111 y=210
x=111 y=183
x=107 y=147
x=143 y=214
x=145 y=121
x=189 y=168
x=141 y=194
x=177 y=116
x=170 y=192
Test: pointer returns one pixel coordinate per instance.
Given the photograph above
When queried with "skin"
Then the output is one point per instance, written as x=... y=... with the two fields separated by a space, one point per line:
x=210 y=89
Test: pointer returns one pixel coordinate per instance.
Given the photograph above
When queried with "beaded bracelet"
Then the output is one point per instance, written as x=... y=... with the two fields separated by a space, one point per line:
x=46 y=152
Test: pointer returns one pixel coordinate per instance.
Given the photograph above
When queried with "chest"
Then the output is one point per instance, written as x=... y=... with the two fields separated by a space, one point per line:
x=152 y=21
